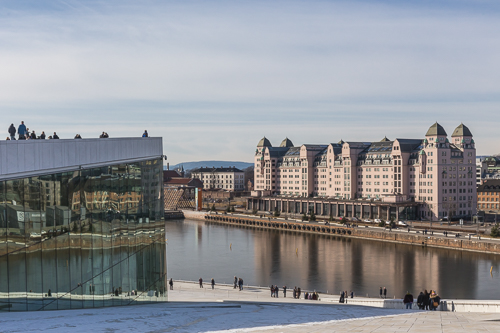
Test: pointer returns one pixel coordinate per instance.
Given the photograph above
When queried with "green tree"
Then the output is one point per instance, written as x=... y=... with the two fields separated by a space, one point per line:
x=304 y=217
x=495 y=231
x=276 y=212
x=344 y=220
x=213 y=208
x=381 y=223
x=313 y=217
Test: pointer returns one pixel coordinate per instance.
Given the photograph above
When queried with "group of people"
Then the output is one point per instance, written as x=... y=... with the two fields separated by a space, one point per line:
x=344 y=296
x=275 y=290
x=383 y=292
x=428 y=300
x=425 y=300
x=24 y=133
x=238 y=282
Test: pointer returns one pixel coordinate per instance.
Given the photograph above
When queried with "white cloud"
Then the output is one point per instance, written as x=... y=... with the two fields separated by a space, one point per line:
x=220 y=75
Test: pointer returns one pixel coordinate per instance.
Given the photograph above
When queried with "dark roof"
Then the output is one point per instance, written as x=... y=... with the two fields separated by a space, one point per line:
x=286 y=143
x=461 y=130
x=184 y=181
x=264 y=142
x=408 y=145
x=490 y=185
x=436 y=129
x=170 y=174
x=277 y=151
x=214 y=169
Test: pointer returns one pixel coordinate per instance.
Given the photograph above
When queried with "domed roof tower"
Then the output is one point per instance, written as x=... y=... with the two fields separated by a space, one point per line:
x=264 y=142
x=436 y=130
x=286 y=143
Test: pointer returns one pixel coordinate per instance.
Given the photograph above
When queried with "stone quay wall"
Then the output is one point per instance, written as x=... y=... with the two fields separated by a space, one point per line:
x=349 y=232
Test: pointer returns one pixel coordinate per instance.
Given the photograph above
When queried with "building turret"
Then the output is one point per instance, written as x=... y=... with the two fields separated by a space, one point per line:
x=462 y=137
x=264 y=142
x=286 y=143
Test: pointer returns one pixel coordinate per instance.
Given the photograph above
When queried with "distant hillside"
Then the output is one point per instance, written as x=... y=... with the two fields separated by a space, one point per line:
x=209 y=164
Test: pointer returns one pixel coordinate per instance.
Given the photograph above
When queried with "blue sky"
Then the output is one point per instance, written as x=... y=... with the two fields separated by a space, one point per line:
x=213 y=77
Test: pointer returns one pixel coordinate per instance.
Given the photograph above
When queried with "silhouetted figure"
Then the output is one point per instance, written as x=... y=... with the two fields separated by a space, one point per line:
x=201 y=282
x=55 y=136
x=42 y=136
x=171 y=284
x=12 y=132
x=49 y=293
x=145 y=134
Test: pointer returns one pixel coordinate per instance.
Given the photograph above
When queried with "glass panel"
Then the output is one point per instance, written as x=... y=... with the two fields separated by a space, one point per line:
x=86 y=238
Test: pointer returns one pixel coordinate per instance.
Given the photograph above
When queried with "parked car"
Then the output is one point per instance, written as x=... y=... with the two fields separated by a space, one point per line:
x=367 y=221
x=402 y=223
x=377 y=220
x=355 y=219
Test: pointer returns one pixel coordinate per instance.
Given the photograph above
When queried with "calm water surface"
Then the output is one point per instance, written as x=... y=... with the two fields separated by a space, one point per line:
x=263 y=257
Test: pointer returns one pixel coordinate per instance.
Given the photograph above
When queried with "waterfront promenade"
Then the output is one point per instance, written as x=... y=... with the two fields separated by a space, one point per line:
x=464 y=239
x=194 y=309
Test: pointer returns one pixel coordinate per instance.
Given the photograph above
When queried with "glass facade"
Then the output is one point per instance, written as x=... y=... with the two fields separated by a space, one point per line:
x=84 y=238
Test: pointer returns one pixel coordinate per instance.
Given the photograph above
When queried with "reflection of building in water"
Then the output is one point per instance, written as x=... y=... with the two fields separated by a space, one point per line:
x=337 y=263
x=84 y=228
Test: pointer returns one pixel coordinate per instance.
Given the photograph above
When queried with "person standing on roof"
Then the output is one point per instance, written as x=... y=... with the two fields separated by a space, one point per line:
x=12 y=132
x=21 y=130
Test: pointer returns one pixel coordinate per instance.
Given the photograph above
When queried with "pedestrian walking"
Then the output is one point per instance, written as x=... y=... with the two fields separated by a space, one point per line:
x=341 y=299
x=276 y=291
x=408 y=300
x=284 y=291
x=272 y=290
x=213 y=283
x=352 y=294
x=200 y=280
x=12 y=132
x=385 y=292
x=171 y=284
x=298 y=293
x=241 y=284
x=381 y=292
x=295 y=292
x=235 y=282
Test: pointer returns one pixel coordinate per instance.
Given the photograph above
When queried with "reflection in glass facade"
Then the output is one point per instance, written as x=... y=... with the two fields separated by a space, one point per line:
x=85 y=238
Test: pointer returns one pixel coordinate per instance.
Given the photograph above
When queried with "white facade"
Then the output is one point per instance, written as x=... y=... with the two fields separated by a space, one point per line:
x=229 y=179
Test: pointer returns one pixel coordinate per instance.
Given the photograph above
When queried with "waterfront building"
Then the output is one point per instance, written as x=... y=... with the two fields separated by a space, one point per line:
x=81 y=223
x=229 y=179
x=435 y=173
x=488 y=198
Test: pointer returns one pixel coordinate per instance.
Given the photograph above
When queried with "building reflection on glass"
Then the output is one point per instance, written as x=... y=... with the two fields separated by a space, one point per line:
x=86 y=238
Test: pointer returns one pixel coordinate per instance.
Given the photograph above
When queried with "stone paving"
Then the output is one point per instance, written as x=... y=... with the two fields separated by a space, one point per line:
x=383 y=320
x=194 y=309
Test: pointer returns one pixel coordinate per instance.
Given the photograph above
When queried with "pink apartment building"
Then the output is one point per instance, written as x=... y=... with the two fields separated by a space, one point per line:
x=437 y=173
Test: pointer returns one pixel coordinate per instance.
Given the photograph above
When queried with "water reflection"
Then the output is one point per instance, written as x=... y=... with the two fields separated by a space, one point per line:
x=326 y=263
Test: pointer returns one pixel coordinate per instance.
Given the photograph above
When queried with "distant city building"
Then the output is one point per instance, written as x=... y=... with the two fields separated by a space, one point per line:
x=434 y=172
x=229 y=179
x=487 y=167
x=488 y=196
